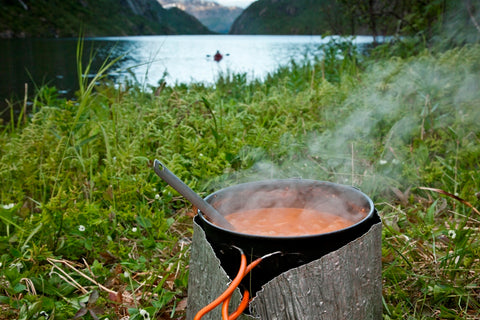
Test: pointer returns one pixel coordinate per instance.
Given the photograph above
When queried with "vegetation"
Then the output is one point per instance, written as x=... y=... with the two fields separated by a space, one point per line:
x=63 y=19
x=88 y=229
x=406 y=17
x=42 y=18
x=426 y=19
x=293 y=17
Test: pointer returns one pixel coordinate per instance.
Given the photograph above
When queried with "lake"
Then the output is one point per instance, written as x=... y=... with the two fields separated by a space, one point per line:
x=149 y=59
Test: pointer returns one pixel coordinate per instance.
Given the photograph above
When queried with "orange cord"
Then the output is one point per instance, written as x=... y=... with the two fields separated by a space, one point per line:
x=226 y=293
x=253 y=264
x=225 y=308
x=245 y=300
x=243 y=305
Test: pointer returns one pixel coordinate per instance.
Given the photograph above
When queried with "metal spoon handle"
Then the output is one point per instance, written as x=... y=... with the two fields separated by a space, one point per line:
x=210 y=212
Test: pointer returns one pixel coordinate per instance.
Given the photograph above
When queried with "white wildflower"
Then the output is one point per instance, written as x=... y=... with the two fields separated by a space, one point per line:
x=157 y=196
x=8 y=206
x=134 y=229
x=382 y=162
x=126 y=274
x=452 y=234
x=144 y=314
x=81 y=228
x=17 y=265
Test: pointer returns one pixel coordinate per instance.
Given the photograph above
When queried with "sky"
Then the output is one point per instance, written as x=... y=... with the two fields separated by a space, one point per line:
x=238 y=3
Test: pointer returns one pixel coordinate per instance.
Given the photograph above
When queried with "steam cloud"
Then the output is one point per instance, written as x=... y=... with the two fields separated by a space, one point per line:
x=400 y=101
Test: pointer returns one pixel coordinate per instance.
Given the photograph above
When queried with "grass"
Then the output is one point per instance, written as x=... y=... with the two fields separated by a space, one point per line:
x=87 y=228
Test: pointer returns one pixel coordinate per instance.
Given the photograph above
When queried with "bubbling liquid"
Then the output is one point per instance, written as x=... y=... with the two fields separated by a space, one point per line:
x=286 y=222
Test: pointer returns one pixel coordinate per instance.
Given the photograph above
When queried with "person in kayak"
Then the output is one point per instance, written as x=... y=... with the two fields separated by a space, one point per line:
x=218 y=56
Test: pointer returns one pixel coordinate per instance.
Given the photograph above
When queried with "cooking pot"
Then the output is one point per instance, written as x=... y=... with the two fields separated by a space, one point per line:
x=345 y=201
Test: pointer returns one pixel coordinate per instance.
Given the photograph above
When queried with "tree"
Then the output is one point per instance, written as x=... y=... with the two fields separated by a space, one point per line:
x=400 y=17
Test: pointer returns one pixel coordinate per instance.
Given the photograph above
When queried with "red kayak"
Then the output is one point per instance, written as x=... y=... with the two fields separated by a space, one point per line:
x=218 y=56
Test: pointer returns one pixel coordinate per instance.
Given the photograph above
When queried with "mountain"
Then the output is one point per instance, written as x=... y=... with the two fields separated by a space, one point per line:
x=68 y=18
x=214 y=16
x=295 y=17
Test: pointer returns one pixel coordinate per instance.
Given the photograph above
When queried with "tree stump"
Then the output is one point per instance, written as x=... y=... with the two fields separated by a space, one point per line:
x=343 y=284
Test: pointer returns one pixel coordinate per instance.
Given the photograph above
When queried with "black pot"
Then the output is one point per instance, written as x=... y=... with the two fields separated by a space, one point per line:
x=341 y=200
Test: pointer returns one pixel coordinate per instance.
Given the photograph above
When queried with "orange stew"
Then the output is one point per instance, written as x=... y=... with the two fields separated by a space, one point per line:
x=281 y=222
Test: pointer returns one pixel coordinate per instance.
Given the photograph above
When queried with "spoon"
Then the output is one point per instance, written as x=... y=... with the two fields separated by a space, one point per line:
x=210 y=212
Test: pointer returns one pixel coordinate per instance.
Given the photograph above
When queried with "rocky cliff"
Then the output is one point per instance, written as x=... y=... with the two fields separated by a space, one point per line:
x=69 y=18
x=214 y=16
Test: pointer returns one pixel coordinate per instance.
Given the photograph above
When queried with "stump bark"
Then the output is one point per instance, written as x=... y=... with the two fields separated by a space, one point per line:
x=344 y=284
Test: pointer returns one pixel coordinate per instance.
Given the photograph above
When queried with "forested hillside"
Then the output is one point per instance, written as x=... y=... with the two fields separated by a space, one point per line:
x=67 y=18
x=293 y=17
x=353 y=17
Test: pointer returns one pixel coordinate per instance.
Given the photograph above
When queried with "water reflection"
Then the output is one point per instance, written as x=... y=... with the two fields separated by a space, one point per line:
x=147 y=59
x=40 y=62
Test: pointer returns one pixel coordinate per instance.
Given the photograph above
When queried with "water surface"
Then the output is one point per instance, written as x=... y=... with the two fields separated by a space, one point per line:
x=148 y=59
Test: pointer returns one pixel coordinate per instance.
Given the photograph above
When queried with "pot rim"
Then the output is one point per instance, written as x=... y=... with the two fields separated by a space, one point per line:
x=271 y=182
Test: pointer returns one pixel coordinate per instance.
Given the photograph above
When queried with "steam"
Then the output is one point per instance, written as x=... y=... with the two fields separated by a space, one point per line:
x=462 y=23
x=393 y=117
x=309 y=198
x=402 y=103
